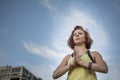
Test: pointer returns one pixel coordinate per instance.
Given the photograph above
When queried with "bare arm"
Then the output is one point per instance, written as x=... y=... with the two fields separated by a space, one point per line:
x=99 y=66
x=62 y=68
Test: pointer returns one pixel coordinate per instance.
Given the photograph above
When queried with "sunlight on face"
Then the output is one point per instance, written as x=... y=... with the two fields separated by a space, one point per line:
x=79 y=36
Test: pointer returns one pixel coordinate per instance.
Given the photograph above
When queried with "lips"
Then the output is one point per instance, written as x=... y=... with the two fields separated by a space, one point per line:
x=77 y=39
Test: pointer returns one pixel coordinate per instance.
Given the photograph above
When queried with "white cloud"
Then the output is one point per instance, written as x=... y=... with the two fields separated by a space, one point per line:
x=76 y=17
x=47 y=5
x=41 y=50
x=65 y=23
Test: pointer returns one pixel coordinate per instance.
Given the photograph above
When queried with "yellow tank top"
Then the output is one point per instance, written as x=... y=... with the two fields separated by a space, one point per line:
x=81 y=73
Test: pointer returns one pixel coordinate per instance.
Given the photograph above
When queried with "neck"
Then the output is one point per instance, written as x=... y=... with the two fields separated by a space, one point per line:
x=81 y=46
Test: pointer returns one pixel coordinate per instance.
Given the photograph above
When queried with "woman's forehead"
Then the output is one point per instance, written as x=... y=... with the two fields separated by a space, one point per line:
x=78 y=30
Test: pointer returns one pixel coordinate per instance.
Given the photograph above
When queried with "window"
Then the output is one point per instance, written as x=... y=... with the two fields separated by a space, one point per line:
x=16 y=70
x=5 y=72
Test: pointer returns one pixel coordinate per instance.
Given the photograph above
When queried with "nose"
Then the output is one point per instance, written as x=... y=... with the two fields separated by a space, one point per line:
x=77 y=35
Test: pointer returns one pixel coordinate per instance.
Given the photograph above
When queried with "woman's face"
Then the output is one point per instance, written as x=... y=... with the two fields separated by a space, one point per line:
x=79 y=36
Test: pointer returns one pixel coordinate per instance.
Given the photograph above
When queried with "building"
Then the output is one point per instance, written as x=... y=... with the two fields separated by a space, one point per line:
x=16 y=73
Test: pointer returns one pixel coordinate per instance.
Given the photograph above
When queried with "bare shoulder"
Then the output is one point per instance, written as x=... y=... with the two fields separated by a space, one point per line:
x=96 y=54
x=65 y=59
x=68 y=55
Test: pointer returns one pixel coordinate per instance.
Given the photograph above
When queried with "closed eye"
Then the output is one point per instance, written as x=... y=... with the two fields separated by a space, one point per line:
x=80 y=33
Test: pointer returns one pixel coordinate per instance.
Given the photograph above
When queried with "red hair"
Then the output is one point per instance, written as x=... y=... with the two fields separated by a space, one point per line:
x=88 y=39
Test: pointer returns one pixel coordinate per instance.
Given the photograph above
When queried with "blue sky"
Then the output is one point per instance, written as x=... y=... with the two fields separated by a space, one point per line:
x=34 y=33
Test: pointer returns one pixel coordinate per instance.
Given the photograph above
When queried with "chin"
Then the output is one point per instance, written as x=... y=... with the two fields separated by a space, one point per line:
x=78 y=43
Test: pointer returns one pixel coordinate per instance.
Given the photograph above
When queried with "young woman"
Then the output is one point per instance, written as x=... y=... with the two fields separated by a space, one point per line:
x=82 y=63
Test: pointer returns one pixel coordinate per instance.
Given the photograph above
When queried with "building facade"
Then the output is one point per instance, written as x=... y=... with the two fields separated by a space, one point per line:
x=16 y=73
